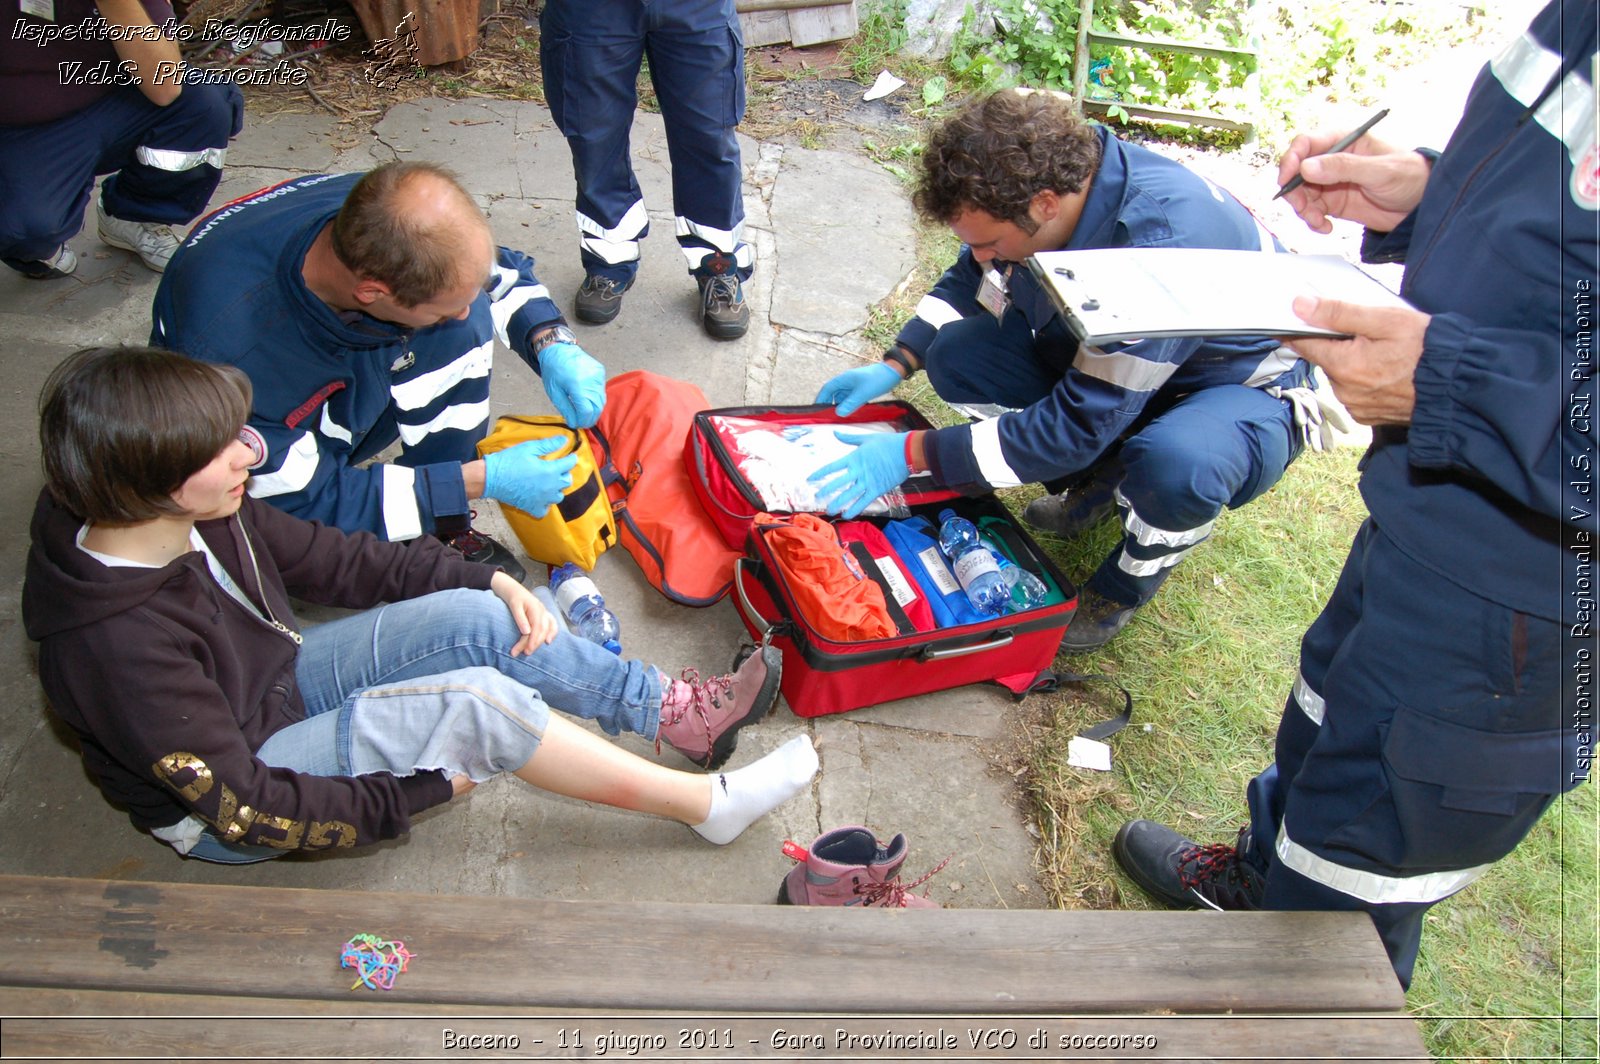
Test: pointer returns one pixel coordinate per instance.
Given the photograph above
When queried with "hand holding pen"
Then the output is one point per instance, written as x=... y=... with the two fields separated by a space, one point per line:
x=1351 y=175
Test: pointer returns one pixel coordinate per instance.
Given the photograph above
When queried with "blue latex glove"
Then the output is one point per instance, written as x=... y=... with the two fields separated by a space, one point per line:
x=525 y=478
x=877 y=465
x=575 y=383
x=855 y=387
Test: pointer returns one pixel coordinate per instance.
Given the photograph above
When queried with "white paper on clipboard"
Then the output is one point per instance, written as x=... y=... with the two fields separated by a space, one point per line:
x=1112 y=295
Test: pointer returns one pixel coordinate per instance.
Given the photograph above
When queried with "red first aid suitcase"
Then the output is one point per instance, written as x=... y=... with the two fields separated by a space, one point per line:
x=823 y=675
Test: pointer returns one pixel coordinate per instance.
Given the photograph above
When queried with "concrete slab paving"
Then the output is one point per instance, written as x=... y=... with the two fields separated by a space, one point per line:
x=833 y=235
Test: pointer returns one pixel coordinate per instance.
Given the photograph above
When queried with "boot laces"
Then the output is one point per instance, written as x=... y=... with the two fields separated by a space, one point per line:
x=1200 y=865
x=469 y=542
x=712 y=691
x=891 y=894
x=722 y=289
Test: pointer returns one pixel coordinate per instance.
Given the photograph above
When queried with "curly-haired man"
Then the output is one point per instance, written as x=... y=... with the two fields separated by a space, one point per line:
x=1165 y=431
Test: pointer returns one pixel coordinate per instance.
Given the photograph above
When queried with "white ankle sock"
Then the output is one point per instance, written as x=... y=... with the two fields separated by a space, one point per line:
x=743 y=796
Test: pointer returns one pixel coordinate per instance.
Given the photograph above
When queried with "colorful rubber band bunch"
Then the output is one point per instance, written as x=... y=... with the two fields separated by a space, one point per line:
x=378 y=961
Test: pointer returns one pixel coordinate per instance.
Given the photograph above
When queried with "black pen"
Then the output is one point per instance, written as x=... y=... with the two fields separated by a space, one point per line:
x=1340 y=145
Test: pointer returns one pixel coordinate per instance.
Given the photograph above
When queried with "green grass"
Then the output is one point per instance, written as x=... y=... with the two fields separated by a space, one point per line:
x=1210 y=662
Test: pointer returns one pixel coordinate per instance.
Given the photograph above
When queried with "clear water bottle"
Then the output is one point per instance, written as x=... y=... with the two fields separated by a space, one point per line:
x=1028 y=592
x=583 y=607
x=975 y=566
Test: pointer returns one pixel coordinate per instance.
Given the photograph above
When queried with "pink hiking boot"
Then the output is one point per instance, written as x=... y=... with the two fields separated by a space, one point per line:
x=849 y=866
x=702 y=720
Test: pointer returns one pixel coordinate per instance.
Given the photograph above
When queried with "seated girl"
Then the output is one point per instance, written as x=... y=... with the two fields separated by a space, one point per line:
x=159 y=594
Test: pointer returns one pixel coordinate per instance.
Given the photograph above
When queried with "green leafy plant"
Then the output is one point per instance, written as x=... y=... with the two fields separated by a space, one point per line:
x=1343 y=48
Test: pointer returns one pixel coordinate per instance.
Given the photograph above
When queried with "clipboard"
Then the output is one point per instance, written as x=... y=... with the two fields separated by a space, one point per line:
x=1114 y=295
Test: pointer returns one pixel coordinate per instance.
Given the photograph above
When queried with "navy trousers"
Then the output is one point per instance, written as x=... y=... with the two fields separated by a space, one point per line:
x=1219 y=447
x=592 y=52
x=165 y=161
x=1422 y=740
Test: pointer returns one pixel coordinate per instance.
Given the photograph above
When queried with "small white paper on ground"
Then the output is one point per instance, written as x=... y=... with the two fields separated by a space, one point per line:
x=1089 y=753
x=885 y=84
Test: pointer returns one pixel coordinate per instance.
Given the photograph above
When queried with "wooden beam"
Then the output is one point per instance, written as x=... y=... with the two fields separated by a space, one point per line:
x=268 y=942
x=1169 y=44
x=1170 y=114
x=744 y=7
x=89 y=1025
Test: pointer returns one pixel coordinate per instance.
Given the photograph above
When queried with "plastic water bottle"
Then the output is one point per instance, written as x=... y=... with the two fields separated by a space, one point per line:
x=976 y=568
x=1027 y=591
x=583 y=607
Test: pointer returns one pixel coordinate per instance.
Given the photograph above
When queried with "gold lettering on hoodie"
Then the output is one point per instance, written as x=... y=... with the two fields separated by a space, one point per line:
x=289 y=831
x=325 y=833
x=184 y=773
x=193 y=779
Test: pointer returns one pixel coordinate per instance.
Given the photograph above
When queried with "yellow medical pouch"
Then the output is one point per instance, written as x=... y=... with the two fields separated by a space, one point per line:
x=580 y=527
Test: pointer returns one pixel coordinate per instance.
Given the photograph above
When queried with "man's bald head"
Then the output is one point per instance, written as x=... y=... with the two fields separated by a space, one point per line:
x=412 y=227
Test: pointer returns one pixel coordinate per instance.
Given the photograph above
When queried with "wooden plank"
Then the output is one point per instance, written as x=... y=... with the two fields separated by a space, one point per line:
x=752 y=6
x=274 y=942
x=764 y=27
x=371 y=1028
x=822 y=24
x=1168 y=114
x=1150 y=44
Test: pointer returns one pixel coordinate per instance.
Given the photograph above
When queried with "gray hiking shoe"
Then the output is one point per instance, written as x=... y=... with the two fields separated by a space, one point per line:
x=599 y=300
x=723 y=312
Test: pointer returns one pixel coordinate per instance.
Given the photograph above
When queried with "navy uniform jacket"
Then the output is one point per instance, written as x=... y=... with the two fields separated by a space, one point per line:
x=1136 y=199
x=332 y=388
x=1502 y=251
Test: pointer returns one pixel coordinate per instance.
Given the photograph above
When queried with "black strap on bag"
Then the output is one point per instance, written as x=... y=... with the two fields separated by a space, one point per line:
x=869 y=568
x=1050 y=680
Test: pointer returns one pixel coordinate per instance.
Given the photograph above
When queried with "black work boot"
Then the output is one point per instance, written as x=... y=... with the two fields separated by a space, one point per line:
x=599 y=300
x=1073 y=512
x=485 y=550
x=723 y=312
x=1185 y=875
x=1097 y=620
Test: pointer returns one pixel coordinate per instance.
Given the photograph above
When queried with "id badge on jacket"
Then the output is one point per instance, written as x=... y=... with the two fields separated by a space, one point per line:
x=991 y=293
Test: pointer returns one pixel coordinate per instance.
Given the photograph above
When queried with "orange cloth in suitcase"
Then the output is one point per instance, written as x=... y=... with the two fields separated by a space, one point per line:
x=836 y=599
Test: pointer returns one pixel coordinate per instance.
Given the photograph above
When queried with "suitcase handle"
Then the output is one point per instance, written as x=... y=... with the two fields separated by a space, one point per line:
x=744 y=599
x=929 y=654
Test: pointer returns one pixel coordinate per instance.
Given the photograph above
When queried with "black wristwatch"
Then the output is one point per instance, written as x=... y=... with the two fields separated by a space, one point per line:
x=897 y=355
x=558 y=334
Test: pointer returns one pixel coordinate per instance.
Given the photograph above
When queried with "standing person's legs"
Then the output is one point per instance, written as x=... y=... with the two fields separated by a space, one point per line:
x=1438 y=747
x=591 y=53
x=1421 y=742
x=697 y=66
